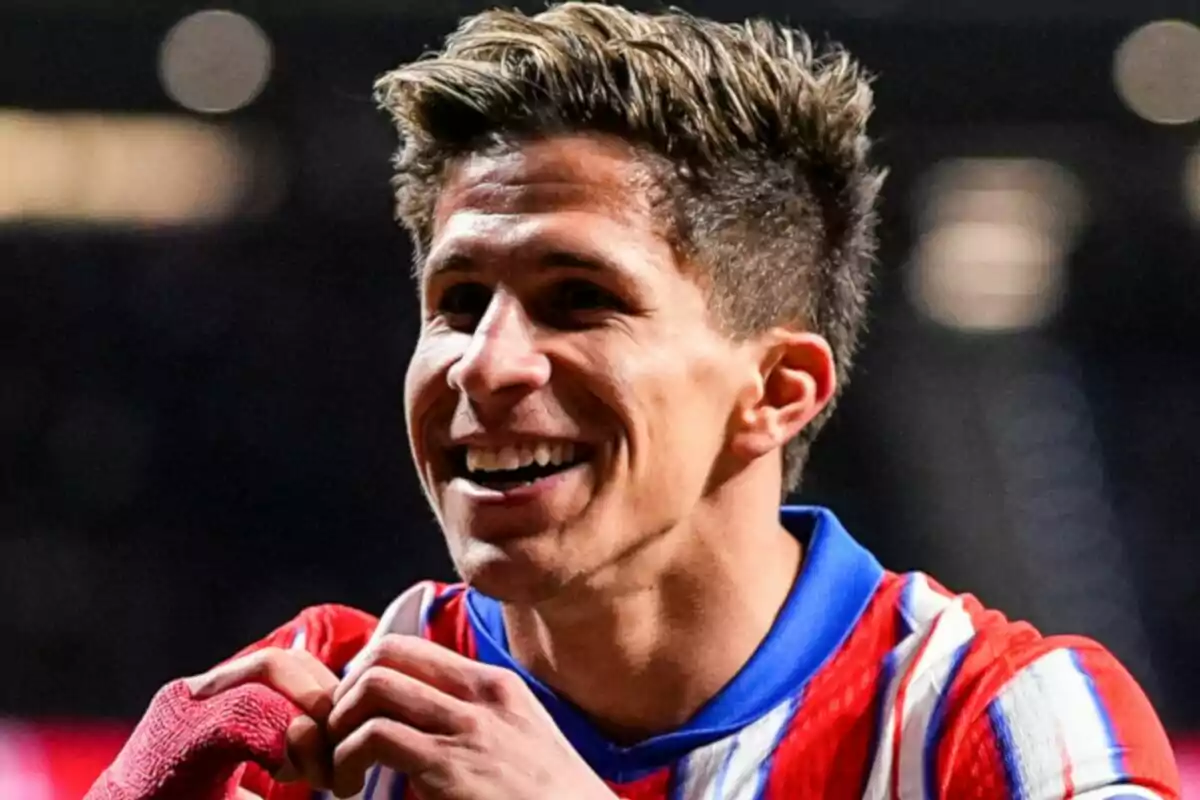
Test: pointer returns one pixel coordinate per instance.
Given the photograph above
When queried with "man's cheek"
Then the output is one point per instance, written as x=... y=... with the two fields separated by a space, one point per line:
x=425 y=380
x=433 y=355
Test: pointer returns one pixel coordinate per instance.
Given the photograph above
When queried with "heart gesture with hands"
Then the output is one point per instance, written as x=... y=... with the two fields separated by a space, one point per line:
x=458 y=729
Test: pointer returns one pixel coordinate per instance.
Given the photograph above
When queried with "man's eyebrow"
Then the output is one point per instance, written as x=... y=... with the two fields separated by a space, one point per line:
x=551 y=259
x=563 y=258
x=451 y=262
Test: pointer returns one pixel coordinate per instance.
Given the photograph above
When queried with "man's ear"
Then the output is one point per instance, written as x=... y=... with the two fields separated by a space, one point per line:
x=797 y=378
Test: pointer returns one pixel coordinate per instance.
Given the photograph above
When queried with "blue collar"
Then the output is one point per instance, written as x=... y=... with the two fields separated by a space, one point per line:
x=837 y=580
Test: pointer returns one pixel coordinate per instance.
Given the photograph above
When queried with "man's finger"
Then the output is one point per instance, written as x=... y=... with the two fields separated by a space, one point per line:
x=296 y=674
x=381 y=691
x=421 y=659
x=306 y=754
x=379 y=741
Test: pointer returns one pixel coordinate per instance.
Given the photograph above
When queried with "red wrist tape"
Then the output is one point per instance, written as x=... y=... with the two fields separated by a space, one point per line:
x=190 y=749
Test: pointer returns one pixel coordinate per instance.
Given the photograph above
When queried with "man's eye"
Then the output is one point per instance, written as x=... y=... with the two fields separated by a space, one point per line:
x=581 y=295
x=465 y=301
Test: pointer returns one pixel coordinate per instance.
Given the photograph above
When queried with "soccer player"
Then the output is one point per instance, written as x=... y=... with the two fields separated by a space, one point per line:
x=643 y=251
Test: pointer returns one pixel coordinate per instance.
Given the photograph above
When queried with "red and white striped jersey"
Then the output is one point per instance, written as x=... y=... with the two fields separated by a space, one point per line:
x=870 y=684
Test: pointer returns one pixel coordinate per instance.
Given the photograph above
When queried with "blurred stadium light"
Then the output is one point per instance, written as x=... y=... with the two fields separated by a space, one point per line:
x=54 y=762
x=994 y=234
x=108 y=168
x=1157 y=72
x=215 y=61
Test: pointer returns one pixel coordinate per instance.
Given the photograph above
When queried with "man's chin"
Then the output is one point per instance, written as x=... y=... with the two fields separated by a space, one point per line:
x=512 y=571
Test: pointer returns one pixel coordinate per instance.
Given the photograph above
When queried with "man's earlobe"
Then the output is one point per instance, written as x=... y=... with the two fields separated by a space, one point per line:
x=797 y=380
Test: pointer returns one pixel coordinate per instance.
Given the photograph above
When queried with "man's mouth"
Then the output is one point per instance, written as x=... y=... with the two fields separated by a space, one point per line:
x=511 y=466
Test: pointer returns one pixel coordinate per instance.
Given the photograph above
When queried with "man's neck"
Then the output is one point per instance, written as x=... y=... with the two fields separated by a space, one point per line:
x=644 y=660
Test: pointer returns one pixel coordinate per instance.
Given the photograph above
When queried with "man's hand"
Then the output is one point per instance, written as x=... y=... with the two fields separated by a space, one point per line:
x=301 y=678
x=458 y=729
x=264 y=708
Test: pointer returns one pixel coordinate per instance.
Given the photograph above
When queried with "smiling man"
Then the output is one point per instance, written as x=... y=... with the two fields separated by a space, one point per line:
x=643 y=249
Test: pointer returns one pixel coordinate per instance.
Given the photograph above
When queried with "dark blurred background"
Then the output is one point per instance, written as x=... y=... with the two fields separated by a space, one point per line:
x=205 y=315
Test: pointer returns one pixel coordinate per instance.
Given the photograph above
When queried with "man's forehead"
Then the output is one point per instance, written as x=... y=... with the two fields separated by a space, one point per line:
x=581 y=173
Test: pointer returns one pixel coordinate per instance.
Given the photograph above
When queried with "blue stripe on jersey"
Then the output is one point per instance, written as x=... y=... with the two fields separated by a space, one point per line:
x=678 y=781
x=1116 y=753
x=437 y=604
x=836 y=582
x=396 y=793
x=937 y=723
x=372 y=782
x=1008 y=751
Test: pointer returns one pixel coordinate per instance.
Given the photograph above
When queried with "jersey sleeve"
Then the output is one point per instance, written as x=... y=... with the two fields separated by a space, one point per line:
x=332 y=633
x=1043 y=719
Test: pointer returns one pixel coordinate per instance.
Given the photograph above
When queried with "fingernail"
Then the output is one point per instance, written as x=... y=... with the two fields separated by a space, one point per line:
x=320 y=707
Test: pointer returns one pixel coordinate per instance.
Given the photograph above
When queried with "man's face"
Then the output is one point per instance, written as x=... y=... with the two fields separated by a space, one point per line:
x=569 y=396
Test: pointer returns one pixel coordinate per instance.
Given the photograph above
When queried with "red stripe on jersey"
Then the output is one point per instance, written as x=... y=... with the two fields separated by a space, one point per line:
x=998 y=652
x=882 y=615
x=828 y=747
x=970 y=762
x=980 y=773
x=1149 y=762
x=655 y=786
x=1068 y=770
x=447 y=622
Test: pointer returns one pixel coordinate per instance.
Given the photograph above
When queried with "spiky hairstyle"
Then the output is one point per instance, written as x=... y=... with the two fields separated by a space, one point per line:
x=756 y=139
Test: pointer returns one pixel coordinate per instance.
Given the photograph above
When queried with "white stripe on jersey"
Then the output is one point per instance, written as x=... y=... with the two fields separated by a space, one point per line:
x=930 y=680
x=1087 y=730
x=920 y=604
x=404 y=616
x=730 y=769
x=1054 y=723
x=923 y=661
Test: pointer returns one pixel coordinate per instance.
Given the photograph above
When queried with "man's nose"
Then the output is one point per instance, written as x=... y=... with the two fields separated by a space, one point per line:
x=502 y=361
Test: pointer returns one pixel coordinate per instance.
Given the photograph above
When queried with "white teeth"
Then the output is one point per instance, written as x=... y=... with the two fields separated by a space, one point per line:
x=477 y=459
x=509 y=457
